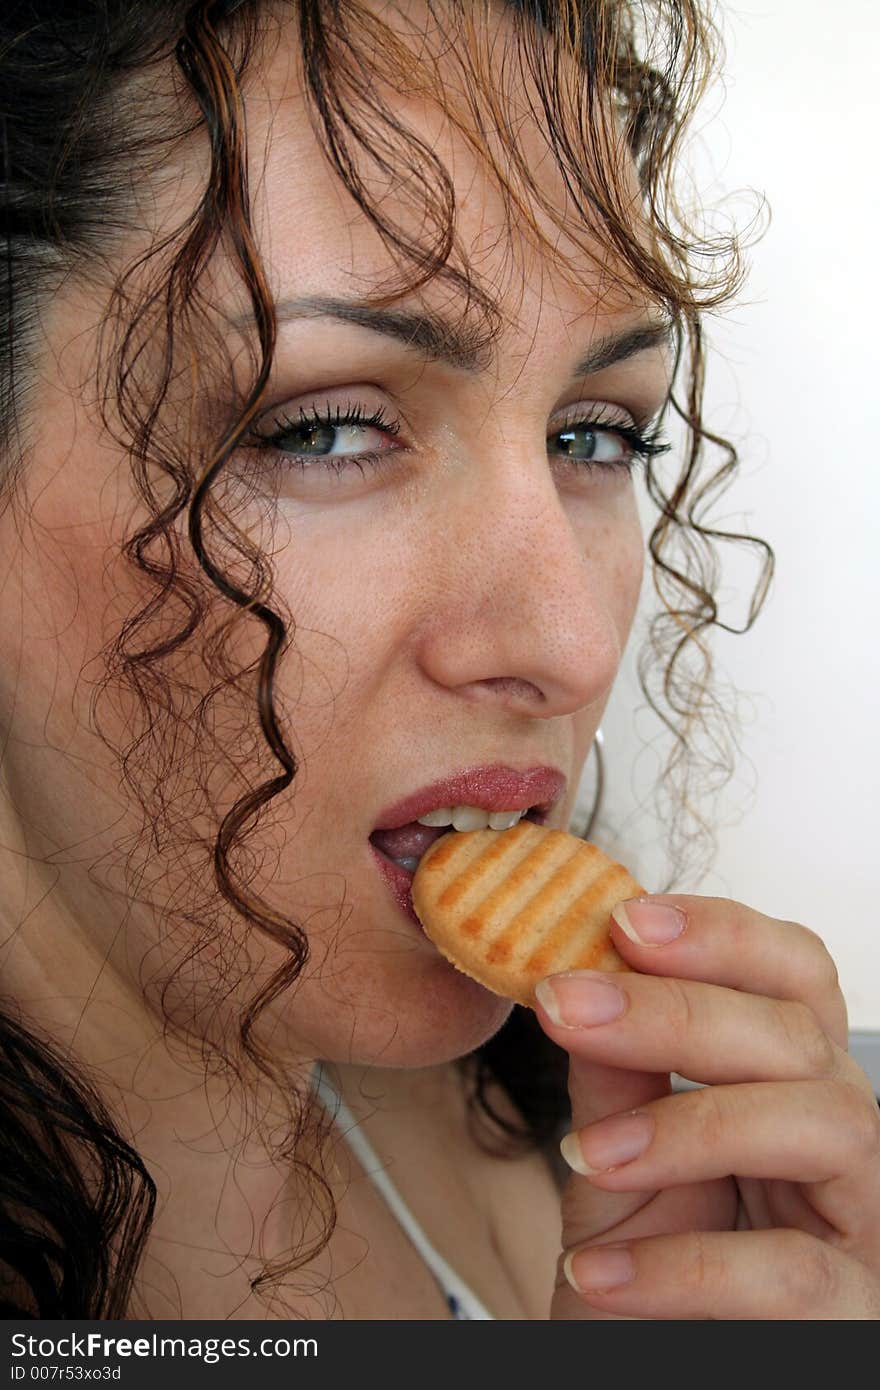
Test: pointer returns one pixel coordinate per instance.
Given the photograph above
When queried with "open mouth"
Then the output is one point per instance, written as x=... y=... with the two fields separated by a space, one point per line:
x=398 y=851
x=406 y=844
x=492 y=796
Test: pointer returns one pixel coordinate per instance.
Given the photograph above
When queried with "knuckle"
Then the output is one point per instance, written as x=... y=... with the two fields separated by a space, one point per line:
x=740 y=922
x=820 y=968
x=860 y=1124
x=806 y=1273
x=679 y=1008
x=810 y=1043
x=709 y=1117
x=705 y=1271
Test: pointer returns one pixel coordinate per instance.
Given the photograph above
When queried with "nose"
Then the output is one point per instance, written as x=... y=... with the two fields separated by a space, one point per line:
x=532 y=599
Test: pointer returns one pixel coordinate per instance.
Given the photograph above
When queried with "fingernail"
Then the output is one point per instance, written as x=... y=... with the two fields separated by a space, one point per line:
x=594 y=1271
x=579 y=999
x=604 y=1146
x=648 y=923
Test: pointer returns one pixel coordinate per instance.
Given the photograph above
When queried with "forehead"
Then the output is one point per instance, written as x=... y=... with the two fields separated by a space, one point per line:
x=441 y=145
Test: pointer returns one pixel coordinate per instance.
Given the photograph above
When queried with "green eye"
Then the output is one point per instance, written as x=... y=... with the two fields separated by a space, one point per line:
x=605 y=446
x=590 y=445
x=317 y=441
x=336 y=438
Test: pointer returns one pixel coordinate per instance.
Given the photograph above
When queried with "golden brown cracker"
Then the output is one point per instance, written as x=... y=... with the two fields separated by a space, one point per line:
x=508 y=907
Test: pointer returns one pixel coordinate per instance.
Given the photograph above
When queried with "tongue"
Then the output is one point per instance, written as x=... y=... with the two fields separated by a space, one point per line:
x=407 y=841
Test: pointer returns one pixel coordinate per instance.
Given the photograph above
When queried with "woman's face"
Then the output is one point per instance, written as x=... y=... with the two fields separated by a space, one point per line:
x=461 y=597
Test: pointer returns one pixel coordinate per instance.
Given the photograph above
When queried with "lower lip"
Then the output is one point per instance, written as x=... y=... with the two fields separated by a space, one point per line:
x=400 y=883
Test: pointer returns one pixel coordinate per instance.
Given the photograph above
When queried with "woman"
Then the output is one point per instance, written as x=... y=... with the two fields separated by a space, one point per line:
x=334 y=338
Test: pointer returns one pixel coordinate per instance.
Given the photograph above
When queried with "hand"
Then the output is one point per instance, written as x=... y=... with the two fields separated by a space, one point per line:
x=757 y=1196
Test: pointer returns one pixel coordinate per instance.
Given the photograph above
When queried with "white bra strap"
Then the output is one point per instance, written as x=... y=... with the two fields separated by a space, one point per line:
x=469 y=1305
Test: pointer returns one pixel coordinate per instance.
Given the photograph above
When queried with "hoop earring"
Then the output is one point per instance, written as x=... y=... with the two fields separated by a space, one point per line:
x=598 y=744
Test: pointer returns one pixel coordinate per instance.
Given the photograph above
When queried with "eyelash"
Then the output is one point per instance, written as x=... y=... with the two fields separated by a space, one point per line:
x=644 y=443
x=333 y=419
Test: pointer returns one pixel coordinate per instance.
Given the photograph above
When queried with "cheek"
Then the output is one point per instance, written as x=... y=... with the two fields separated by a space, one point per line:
x=350 y=594
x=620 y=549
x=627 y=568
x=64 y=596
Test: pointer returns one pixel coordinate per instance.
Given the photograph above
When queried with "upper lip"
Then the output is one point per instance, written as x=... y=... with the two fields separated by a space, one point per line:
x=496 y=787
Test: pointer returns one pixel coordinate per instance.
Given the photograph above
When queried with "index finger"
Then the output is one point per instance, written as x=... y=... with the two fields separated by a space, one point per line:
x=722 y=942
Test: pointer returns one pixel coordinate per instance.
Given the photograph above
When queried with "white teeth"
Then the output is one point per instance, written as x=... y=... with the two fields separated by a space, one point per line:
x=471 y=818
x=441 y=817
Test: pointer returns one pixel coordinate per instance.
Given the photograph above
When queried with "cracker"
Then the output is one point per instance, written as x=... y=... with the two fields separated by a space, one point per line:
x=508 y=907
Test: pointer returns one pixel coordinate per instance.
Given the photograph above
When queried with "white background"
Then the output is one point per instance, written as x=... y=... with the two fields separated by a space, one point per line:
x=793 y=379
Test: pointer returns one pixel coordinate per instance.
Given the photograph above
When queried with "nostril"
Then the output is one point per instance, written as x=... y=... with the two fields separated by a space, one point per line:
x=512 y=688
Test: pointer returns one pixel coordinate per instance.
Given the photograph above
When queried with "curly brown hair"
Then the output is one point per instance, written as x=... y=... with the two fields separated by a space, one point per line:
x=616 y=83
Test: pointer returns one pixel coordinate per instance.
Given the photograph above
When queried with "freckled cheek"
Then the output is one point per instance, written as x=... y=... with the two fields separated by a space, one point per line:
x=351 y=581
x=619 y=559
x=618 y=551
x=628 y=570
x=352 y=605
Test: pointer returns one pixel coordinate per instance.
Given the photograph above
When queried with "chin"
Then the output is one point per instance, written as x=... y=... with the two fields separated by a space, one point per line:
x=426 y=1016
x=447 y=1019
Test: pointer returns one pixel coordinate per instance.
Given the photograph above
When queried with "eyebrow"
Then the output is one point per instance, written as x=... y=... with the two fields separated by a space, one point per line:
x=463 y=347
x=618 y=347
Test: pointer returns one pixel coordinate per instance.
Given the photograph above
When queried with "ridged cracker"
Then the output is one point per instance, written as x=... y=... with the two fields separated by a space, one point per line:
x=508 y=907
